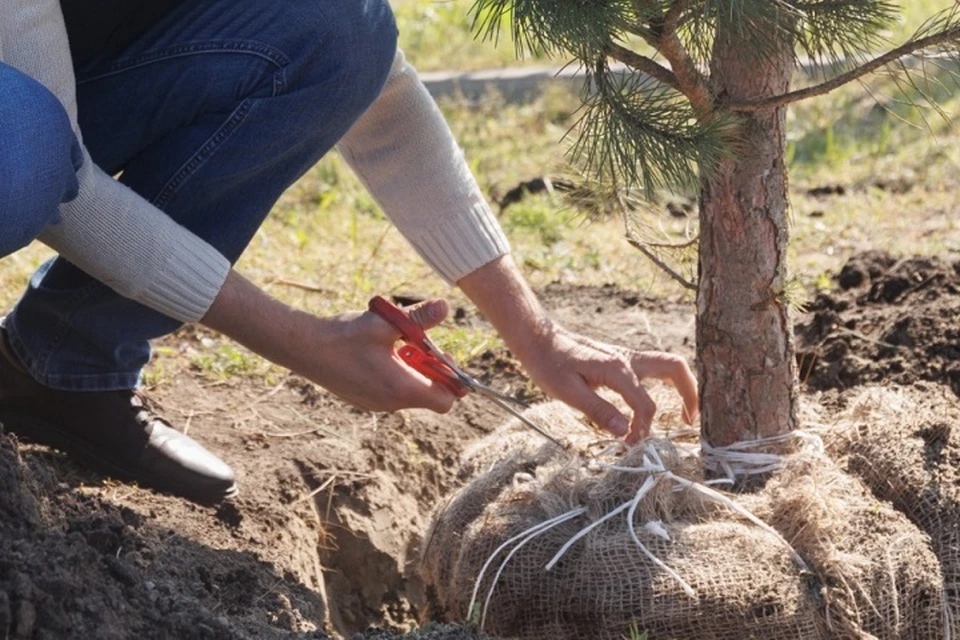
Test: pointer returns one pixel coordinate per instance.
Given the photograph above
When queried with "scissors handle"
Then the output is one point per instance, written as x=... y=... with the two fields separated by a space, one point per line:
x=430 y=366
x=401 y=320
x=418 y=352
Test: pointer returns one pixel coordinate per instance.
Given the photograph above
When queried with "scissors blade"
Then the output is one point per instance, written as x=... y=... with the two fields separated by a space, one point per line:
x=523 y=419
x=490 y=392
x=502 y=400
x=414 y=334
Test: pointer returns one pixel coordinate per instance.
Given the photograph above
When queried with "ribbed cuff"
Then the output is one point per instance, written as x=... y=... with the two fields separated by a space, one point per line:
x=189 y=281
x=462 y=242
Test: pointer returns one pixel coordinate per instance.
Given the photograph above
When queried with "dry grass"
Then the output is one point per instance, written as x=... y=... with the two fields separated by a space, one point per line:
x=338 y=250
x=439 y=34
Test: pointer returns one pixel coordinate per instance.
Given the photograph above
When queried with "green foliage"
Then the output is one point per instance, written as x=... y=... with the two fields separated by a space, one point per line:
x=636 y=132
x=635 y=633
x=757 y=26
x=827 y=33
x=223 y=359
x=474 y=619
x=439 y=35
x=843 y=30
x=823 y=281
x=936 y=73
x=538 y=216
x=583 y=28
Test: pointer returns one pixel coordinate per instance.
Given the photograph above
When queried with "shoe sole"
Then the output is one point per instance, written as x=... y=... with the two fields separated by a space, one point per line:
x=35 y=431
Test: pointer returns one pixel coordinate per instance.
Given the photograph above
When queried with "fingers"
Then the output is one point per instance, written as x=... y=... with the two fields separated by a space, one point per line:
x=405 y=387
x=673 y=369
x=600 y=412
x=428 y=314
x=372 y=375
x=620 y=377
x=598 y=367
x=622 y=370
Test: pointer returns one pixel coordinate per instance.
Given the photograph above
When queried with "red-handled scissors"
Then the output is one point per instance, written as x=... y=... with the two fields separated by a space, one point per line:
x=420 y=353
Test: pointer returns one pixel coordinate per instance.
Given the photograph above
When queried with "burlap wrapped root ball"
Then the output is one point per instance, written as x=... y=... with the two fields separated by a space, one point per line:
x=905 y=445
x=823 y=559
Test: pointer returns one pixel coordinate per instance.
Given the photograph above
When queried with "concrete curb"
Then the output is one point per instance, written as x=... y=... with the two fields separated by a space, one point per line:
x=515 y=84
x=521 y=84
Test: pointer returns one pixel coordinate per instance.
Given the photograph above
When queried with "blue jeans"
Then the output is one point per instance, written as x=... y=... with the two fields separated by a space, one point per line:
x=39 y=158
x=210 y=115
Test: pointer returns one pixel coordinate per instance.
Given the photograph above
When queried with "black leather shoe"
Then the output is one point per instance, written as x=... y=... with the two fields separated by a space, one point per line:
x=113 y=432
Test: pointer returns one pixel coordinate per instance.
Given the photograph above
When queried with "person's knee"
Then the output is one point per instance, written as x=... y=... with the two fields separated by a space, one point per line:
x=374 y=43
x=360 y=50
x=39 y=158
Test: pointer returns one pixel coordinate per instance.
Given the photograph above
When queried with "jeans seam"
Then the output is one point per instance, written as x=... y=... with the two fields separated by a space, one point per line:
x=261 y=50
x=280 y=81
x=204 y=153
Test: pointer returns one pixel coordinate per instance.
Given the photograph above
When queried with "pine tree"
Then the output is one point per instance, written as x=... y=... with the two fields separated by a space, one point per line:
x=707 y=110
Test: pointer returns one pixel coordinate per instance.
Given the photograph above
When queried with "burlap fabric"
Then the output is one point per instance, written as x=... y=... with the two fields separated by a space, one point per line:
x=906 y=446
x=866 y=571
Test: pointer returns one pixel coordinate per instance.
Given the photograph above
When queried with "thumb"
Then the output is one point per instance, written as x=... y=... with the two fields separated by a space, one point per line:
x=429 y=313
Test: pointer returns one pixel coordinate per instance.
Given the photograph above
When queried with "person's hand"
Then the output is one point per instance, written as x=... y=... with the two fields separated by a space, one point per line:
x=354 y=357
x=351 y=354
x=571 y=368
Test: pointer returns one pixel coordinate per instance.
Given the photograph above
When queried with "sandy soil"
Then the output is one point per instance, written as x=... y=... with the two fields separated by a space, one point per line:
x=325 y=535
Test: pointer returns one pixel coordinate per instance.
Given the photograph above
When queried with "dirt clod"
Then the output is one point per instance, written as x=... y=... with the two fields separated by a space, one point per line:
x=889 y=320
x=75 y=566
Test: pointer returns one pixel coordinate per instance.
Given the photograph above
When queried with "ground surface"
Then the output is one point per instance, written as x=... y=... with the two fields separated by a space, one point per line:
x=325 y=534
x=889 y=320
x=326 y=529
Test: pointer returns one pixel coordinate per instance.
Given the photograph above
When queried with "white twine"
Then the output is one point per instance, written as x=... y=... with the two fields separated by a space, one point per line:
x=947 y=616
x=527 y=535
x=736 y=460
x=652 y=482
x=730 y=504
x=587 y=529
x=656 y=528
x=739 y=459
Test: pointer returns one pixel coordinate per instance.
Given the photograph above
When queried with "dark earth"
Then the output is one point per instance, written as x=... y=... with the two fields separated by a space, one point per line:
x=890 y=320
x=324 y=538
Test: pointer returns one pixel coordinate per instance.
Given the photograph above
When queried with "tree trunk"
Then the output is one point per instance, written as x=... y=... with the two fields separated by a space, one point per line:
x=745 y=349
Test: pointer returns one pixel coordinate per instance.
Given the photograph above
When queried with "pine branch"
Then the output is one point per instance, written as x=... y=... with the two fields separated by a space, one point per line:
x=891 y=56
x=686 y=284
x=636 y=243
x=643 y=7
x=832 y=32
x=644 y=64
x=674 y=246
x=691 y=81
x=646 y=133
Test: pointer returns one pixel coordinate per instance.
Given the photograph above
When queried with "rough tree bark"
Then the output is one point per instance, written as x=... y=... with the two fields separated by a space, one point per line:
x=744 y=338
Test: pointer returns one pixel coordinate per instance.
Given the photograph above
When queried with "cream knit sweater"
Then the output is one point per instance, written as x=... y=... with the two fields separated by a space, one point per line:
x=401 y=148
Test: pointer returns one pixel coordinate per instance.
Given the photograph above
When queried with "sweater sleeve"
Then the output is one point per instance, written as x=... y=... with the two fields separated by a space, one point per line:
x=108 y=230
x=404 y=152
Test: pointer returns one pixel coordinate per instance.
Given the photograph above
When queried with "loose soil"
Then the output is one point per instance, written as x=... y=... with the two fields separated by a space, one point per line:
x=325 y=534
x=888 y=320
x=324 y=538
